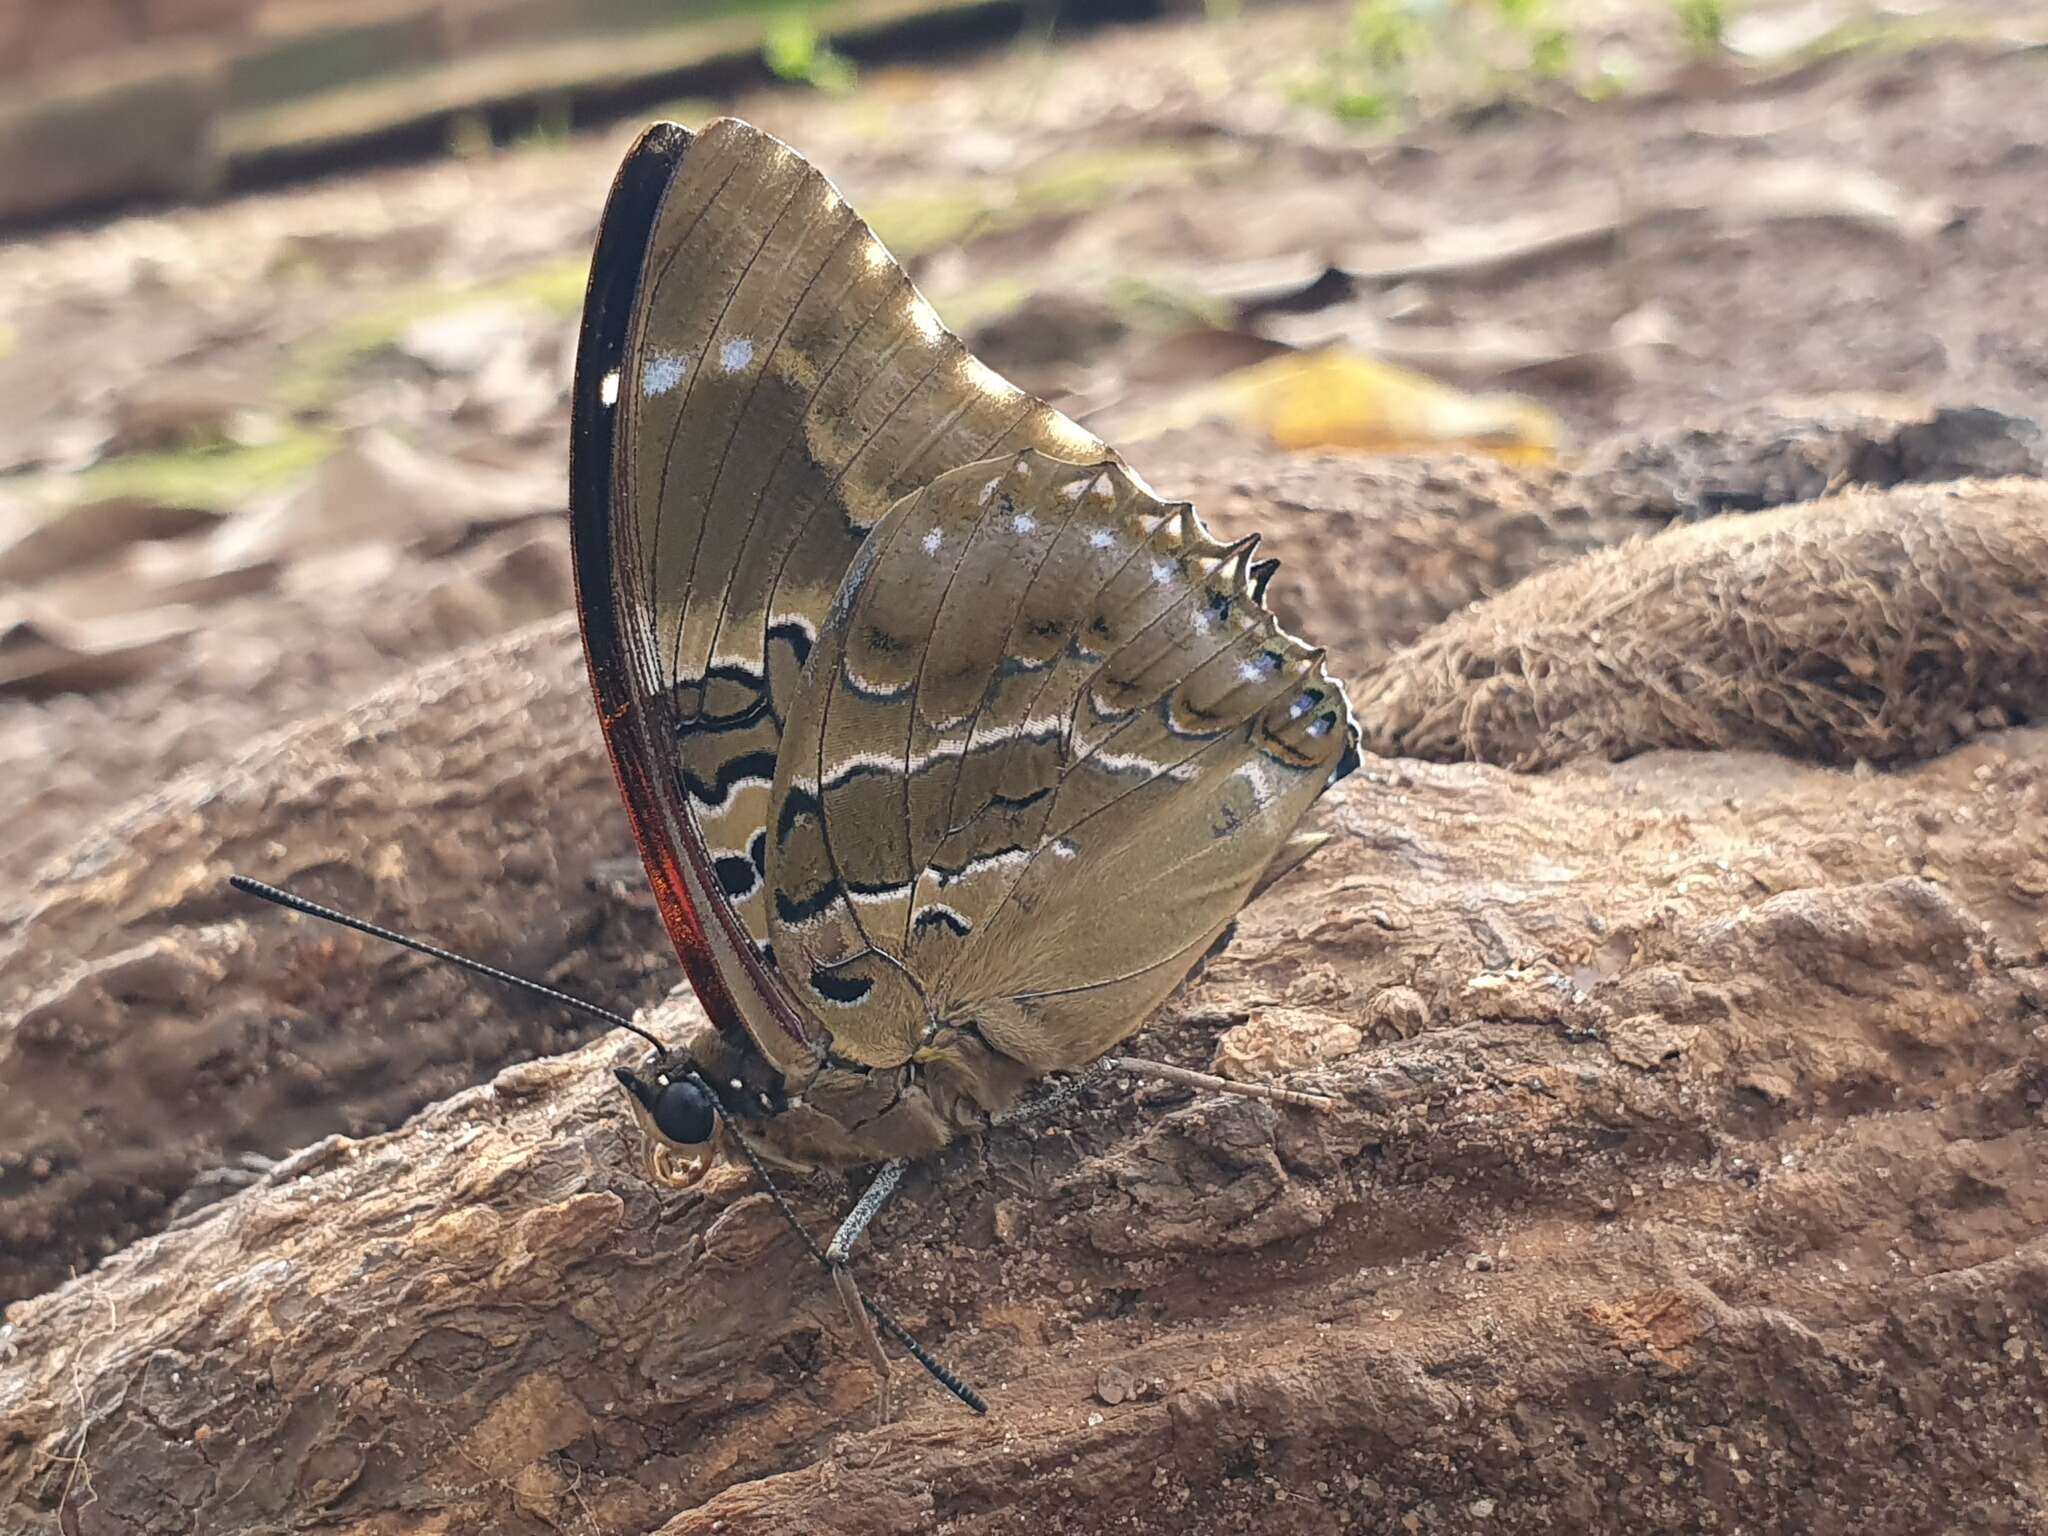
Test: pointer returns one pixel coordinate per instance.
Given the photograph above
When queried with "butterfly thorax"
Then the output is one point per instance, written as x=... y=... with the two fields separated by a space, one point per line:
x=845 y=1113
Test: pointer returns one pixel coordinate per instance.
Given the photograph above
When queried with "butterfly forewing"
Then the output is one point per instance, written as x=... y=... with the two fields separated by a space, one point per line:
x=758 y=383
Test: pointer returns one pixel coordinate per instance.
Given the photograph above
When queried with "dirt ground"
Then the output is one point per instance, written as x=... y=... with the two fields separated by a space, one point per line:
x=1688 y=1174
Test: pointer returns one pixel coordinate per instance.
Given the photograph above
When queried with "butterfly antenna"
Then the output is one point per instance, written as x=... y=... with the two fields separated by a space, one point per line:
x=285 y=898
x=932 y=1364
x=889 y=1325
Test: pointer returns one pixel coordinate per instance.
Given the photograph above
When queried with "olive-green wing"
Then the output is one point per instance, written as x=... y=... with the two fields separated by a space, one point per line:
x=781 y=385
x=1049 y=743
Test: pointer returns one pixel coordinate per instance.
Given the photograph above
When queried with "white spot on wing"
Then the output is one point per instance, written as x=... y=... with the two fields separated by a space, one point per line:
x=608 y=390
x=662 y=373
x=1102 y=538
x=931 y=542
x=1162 y=570
x=1024 y=522
x=736 y=354
x=1258 y=777
x=1262 y=665
x=988 y=491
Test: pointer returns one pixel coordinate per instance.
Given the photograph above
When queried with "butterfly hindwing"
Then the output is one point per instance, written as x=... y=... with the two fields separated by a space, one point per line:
x=1048 y=744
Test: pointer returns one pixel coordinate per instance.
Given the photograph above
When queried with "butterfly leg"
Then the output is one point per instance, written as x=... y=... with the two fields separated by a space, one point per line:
x=849 y=1233
x=1055 y=1098
x=849 y=1292
x=865 y=1210
x=1070 y=1089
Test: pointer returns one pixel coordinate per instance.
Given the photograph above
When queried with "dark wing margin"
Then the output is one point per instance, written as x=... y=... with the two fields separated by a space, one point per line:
x=632 y=705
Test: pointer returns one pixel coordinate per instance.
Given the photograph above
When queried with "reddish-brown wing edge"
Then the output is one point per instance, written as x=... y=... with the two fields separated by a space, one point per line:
x=635 y=721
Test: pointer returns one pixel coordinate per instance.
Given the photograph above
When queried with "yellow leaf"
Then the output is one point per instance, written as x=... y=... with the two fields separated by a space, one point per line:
x=1337 y=399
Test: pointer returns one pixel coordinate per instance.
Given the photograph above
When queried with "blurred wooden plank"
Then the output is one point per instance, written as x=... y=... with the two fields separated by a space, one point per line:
x=543 y=49
x=151 y=122
x=141 y=132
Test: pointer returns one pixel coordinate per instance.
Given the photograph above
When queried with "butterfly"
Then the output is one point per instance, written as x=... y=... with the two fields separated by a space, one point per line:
x=950 y=749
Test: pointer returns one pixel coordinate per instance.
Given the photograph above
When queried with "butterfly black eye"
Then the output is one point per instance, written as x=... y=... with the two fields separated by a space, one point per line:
x=682 y=1112
x=680 y=1107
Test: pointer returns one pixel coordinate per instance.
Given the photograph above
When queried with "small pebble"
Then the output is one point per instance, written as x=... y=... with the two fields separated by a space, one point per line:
x=1114 y=1386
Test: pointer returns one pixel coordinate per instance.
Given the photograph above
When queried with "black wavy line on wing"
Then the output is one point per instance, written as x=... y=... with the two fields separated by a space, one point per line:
x=981 y=704
x=849 y=590
x=1052 y=670
x=838 y=989
x=1065 y=832
x=1070 y=764
x=748 y=765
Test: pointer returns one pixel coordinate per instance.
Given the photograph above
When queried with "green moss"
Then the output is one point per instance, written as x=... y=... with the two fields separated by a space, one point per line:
x=1395 y=61
x=1146 y=304
x=793 y=51
x=912 y=223
x=975 y=305
x=557 y=287
x=1703 y=24
x=317 y=369
x=207 y=477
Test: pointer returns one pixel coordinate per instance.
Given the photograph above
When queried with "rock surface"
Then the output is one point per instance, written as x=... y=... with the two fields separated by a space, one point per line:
x=1687 y=1170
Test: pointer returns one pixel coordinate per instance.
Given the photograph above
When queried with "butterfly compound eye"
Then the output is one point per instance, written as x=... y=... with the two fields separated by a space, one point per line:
x=680 y=1108
x=683 y=1113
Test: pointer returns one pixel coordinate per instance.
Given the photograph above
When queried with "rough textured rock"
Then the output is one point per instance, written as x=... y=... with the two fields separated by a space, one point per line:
x=1773 y=455
x=164 y=1029
x=401 y=807
x=1875 y=626
x=1687 y=1176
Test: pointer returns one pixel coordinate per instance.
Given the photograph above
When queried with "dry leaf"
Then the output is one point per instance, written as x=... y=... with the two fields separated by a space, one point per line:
x=41 y=655
x=1587 y=221
x=378 y=489
x=1338 y=399
x=87 y=532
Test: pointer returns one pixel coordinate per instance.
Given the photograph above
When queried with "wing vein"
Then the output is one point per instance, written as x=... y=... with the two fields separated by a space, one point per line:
x=682 y=419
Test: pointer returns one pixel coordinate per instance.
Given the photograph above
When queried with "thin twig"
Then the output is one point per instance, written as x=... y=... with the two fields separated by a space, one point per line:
x=1166 y=1072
